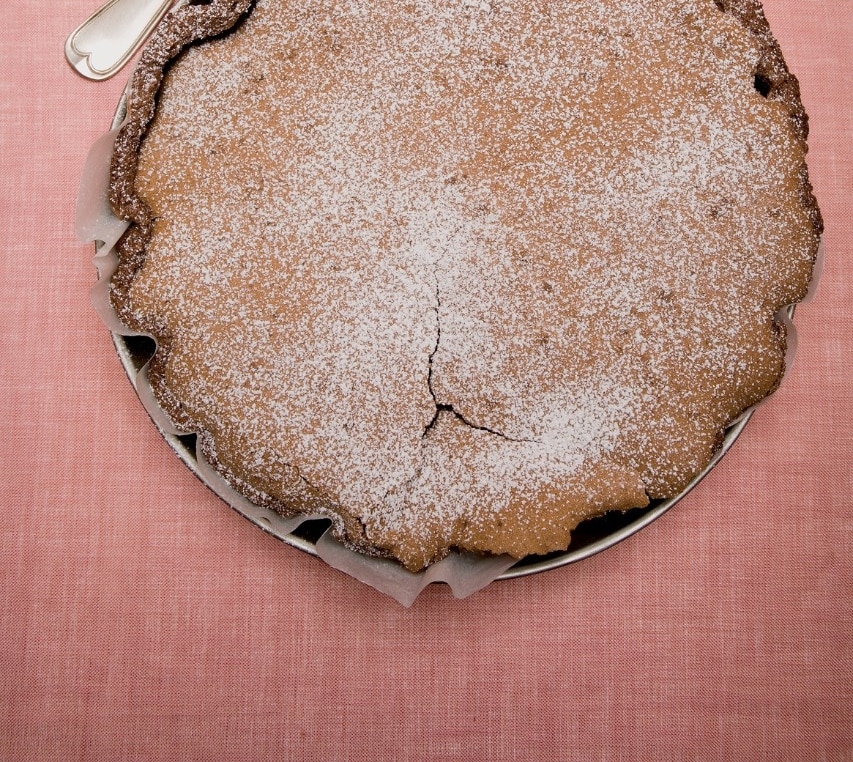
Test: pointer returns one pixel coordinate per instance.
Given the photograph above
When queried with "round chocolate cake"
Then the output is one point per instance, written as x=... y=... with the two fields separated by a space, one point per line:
x=462 y=274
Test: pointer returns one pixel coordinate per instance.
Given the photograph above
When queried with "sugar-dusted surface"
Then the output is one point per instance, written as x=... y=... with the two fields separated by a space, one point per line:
x=469 y=273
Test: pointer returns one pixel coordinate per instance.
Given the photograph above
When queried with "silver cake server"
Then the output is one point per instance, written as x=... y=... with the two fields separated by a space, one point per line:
x=108 y=39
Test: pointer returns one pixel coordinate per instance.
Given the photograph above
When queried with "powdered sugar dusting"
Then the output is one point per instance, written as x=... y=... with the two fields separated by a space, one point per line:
x=438 y=265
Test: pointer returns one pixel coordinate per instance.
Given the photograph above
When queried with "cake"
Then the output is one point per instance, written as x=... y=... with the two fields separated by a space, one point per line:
x=461 y=274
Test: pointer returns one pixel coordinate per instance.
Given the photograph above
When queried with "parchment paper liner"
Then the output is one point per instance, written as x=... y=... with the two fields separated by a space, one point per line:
x=465 y=573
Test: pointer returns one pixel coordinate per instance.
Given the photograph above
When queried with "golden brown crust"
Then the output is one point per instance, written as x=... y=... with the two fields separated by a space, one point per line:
x=182 y=27
x=194 y=23
x=775 y=81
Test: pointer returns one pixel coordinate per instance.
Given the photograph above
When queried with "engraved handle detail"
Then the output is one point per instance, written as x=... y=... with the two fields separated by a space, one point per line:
x=107 y=40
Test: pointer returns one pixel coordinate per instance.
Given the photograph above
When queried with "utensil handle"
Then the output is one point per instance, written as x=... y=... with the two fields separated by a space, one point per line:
x=107 y=40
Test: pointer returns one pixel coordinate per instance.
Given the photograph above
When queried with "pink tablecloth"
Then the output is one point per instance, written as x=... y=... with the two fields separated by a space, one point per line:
x=142 y=619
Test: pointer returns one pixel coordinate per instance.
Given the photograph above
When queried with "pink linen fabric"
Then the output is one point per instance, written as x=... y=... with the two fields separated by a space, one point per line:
x=141 y=619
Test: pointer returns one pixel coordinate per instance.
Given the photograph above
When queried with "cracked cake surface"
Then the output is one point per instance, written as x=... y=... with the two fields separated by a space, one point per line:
x=462 y=274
